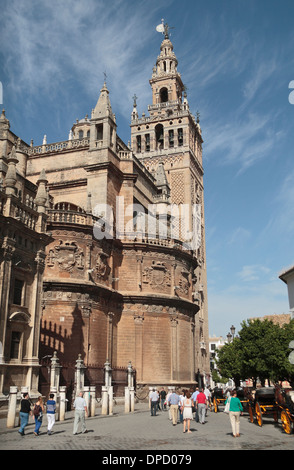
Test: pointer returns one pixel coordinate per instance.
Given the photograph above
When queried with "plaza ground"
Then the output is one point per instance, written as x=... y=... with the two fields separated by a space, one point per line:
x=139 y=431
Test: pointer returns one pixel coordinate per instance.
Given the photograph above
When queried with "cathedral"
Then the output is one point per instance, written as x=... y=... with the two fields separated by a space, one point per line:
x=96 y=255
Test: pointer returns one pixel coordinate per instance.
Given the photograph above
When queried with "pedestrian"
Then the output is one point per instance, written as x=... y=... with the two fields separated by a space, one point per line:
x=194 y=398
x=168 y=404
x=174 y=401
x=38 y=415
x=182 y=397
x=25 y=412
x=81 y=411
x=162 y=399
x=201 y=404
x=208 y=397
x=50 y=407
x=154 y=396
x=187 y=411
x=235 y=410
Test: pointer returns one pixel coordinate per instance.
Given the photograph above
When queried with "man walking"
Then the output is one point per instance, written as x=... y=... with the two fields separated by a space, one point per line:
x=194 y=398
x=154 y=397
x=81 y=410
x=201 y=404
x=162 y=399
x=51 y=407
x=174 y=401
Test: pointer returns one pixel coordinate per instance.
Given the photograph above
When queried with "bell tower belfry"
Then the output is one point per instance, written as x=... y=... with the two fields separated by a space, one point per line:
x=166 y=82
x=170 y=137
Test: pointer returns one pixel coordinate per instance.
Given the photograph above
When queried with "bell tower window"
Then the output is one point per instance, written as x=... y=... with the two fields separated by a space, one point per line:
x=171 y=138
x=147 y=142
x=99 y=130
x=163 y=95
x=180 y=137
x=159 y=136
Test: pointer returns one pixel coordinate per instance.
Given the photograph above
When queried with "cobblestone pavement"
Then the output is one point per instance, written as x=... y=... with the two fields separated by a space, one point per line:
x=140 y=431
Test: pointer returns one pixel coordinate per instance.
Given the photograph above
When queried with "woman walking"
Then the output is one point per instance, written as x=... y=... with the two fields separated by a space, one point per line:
x=38 y=414
x=187 y=411
x=25 y=412
x=235 y=410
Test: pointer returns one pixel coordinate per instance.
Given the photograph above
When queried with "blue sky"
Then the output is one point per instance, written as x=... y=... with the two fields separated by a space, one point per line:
x=236 y=59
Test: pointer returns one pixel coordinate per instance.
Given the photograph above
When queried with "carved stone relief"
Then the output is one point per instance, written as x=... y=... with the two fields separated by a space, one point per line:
x=67 y=255
x=102 y=270
x=156 y=275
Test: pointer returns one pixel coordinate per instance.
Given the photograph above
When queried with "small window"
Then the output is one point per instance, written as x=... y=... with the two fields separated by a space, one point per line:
x=138 y=143
x=17 y=294
x=81 y=135
x=15 y=344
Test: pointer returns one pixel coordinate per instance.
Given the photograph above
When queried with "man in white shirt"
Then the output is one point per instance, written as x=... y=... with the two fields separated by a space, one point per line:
x=154 y=397
x=81 y=410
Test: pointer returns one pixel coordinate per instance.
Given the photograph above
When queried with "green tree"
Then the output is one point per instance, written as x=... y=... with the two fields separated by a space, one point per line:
x=230 y=361
x=261 y=351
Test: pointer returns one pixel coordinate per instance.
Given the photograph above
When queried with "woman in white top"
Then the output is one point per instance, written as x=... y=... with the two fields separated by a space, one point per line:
x=187 y=411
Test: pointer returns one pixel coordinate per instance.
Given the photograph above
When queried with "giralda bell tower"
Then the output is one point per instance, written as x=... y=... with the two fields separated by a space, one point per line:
x=170 y=136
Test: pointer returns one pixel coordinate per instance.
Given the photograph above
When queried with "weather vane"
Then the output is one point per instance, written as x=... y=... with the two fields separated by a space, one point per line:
x=164 y=29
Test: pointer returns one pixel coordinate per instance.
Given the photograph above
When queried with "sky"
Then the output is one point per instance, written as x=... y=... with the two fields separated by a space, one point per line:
x=236 y=59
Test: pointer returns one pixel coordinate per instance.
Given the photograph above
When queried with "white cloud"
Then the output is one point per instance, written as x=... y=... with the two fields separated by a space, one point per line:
x=253 y=272
x=239 y=236
x=243 y=140
x=53 y=44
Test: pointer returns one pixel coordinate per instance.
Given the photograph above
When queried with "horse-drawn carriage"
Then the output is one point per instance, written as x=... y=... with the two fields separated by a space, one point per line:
x=219 y=397
x=284 y=398
x=262 y=403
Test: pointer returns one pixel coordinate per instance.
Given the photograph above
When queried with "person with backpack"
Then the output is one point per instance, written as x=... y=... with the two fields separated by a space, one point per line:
x=38 y=415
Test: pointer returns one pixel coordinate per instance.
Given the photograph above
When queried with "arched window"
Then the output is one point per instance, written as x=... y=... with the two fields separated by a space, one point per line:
x=163 y=95
x=159 y=136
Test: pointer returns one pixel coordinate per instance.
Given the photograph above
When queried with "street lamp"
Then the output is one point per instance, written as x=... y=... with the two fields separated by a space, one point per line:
x=231 y=335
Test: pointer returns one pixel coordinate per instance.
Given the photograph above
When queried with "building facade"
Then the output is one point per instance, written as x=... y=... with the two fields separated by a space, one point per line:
x=23 y=240
x=121 y=281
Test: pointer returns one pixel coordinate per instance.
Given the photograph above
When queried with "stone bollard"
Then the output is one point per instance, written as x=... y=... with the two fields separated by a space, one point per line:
x=62 y=403
x=80 y=374
x=87 y=398
x=104 y=400
x=127 y=400
x=132 y=397
x=93 y=400
x=110 y=400
x=12 y=407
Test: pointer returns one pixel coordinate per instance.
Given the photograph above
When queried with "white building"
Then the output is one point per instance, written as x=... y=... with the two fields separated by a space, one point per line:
x=287 y=276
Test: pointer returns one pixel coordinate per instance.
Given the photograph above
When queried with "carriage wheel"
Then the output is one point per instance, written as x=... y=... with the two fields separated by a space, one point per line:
x=250 y=411
x=286 y=423
x=215 y=405
x=258 y=414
